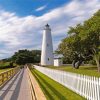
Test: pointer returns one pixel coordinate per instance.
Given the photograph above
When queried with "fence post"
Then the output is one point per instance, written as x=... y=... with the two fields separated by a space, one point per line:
x=5 y=76
x=86 y=86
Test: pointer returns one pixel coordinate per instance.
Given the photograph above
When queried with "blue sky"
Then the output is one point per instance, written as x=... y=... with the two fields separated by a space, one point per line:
x=22 y=21
x=28 y=7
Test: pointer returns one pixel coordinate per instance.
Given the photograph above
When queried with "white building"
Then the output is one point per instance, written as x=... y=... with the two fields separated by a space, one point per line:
x=47 y=57
x=58 y=60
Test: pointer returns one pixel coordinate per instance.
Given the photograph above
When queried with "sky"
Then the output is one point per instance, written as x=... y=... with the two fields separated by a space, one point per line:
x=22 y=21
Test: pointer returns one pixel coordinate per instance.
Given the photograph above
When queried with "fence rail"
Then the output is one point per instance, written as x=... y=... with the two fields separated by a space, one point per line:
x=86 y=86
x=36 y=91
x=5 y=76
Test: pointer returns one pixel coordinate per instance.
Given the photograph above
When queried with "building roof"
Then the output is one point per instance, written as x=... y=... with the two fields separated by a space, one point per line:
x=47 y=26
x=58 y=56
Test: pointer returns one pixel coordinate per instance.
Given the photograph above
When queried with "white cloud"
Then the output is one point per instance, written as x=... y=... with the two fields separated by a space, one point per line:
x=26 y=32
x=41 y=8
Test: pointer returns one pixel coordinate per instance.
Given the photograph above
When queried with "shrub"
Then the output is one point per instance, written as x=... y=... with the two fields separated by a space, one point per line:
x=7 y=65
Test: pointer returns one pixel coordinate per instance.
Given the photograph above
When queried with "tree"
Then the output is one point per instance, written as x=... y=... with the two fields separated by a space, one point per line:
x=37 y=55
x=84 y=41
x=65 y=51
x=92 y=36
x=25 y=56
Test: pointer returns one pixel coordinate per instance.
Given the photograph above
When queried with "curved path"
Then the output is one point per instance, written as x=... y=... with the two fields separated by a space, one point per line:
x=18 y=88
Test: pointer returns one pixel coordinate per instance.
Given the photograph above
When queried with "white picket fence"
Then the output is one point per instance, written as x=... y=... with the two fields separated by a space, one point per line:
x=86 y=86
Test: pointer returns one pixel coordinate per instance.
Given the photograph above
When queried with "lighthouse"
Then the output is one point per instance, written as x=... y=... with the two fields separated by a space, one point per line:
x=47 y=57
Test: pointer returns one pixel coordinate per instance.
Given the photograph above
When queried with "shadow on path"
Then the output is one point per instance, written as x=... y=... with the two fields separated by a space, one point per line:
x=17 y=89
x=10 y=85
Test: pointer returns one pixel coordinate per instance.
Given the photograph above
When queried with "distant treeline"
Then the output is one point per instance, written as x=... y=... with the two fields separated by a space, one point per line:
x=21 y=57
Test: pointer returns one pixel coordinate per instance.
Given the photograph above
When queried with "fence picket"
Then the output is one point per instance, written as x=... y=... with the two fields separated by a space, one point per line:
x=86 y=86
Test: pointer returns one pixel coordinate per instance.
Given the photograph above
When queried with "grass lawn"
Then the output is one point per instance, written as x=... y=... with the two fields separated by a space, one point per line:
x=86 y=70
x=54 y=90
x=2 y=70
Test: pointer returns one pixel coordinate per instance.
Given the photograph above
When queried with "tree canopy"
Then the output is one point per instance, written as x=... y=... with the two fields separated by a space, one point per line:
x=25 y=56
x=83 y=42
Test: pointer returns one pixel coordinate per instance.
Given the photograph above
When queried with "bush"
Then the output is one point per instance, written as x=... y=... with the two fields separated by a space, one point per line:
x=92 y=62
x=7 y=65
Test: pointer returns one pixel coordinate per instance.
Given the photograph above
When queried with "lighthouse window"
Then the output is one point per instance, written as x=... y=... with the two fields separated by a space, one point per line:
x=48 y=59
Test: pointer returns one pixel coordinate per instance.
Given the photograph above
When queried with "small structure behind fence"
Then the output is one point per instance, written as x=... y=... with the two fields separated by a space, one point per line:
x=86 y=86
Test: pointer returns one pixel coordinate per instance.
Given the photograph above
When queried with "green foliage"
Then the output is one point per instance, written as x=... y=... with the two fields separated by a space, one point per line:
x=37 y=55
x=92 y=62
x=25 y=56
x=83 y=42
x=4 y=65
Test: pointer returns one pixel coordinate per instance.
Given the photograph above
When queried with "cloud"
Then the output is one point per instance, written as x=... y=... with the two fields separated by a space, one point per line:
x=26 y=32
x=41 y=8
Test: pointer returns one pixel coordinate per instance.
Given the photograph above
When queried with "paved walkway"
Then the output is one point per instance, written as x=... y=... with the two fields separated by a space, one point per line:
x=18 y=88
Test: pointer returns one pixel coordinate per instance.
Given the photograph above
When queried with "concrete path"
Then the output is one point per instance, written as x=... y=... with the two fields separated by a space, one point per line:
x=18 y=88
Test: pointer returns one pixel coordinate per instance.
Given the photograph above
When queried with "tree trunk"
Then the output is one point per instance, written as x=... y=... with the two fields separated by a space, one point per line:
x=76 y=64
x=97 y=62
x=98 y=65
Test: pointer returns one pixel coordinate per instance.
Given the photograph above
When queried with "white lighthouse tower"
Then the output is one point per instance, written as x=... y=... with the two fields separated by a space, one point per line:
x=47 y=57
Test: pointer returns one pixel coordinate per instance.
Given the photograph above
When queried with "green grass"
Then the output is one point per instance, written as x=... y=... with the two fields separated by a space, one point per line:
x=2 y=70
x=86 y=70
x=54 y=90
